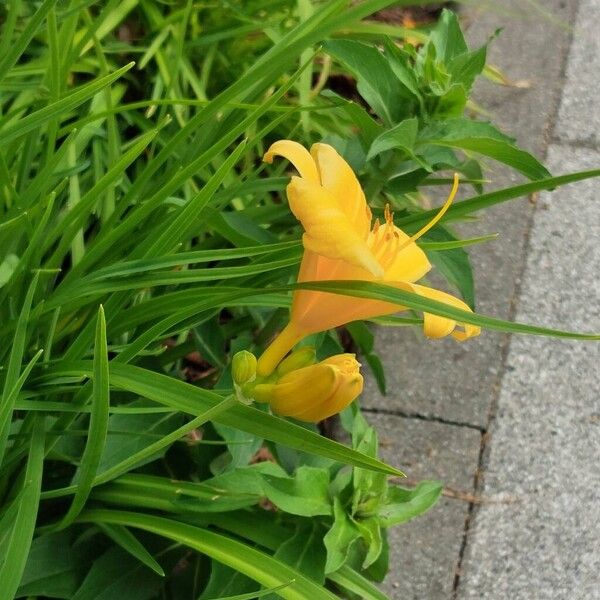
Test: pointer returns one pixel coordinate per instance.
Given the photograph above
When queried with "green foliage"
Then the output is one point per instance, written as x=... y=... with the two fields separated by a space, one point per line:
x=143 y=243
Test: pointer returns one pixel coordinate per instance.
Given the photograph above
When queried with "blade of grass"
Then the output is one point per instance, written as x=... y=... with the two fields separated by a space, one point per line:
x=14 y=366
x=98 y=426
x=63 y=106
x=124 y=538
x=257 y=565
x=402 y=297
x=16 y=548
x=194 y=400
x=471 y=205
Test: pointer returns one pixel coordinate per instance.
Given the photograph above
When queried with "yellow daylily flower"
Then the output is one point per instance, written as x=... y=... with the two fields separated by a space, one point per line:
x=315 y=392
x=340 y=244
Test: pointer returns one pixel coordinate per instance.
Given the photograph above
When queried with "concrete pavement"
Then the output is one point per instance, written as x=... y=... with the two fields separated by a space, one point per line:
x=514 y=423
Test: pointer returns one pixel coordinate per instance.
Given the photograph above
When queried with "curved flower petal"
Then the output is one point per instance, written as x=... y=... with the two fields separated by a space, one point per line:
x=328 y=231
x=338 y=178
x=298 y=155
x=435 y=326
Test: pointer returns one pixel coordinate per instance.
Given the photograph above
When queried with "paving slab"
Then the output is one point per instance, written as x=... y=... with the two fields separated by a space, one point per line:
x=424 y=552
x=545 y=441
x=579 y=118
x=444 y=379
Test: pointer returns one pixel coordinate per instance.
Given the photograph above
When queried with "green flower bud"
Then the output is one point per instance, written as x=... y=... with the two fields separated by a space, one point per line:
x=243 y=367
x=304 y=357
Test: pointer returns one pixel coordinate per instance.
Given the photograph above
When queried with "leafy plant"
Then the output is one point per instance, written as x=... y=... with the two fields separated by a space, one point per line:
x=143 y=244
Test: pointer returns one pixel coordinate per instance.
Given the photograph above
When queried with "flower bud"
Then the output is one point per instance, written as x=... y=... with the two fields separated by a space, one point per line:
x=243 y=367
x=297 y=360
x=315 y=392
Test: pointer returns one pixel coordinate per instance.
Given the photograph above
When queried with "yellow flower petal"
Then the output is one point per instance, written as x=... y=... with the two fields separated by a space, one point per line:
x=298 y=155
x=329 y=232
x=435 y=326
x=338 y=178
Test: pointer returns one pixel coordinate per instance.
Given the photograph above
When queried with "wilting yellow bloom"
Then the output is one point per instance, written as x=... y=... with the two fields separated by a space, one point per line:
x=315 y=392
x=340 y=244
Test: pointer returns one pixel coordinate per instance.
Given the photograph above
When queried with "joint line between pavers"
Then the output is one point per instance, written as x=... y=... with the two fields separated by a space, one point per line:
x=479 y=476
x=421 y=417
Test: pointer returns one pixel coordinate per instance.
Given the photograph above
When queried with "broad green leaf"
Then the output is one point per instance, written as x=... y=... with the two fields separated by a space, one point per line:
x=49 y=572
x=304 y=552
x=402 y=504
x=117 y=574
x=339 y=538
x=485 y=139
x=305 y=494
x=377 y=83
x=402 y=136
x=447 y=37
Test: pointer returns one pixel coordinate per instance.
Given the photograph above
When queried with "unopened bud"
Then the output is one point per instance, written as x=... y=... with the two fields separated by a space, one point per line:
x=243 y=367
x=297 y=360
x=315 y=392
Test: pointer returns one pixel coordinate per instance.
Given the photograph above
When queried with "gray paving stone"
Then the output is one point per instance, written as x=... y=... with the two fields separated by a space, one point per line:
x=545 y=441
x=424 y=552
x=443 y=378
x=579 y=117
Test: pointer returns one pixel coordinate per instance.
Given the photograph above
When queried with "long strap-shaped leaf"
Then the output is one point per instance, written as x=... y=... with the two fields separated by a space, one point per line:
x=75 y=98
x=257 y=565
x=194 y=400
x=98 y=424
x=17 y=546
x=477 y=203
x=407 y=299
x=9 y=394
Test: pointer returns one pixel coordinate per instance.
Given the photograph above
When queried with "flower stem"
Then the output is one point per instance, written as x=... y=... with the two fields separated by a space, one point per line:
x=278 y=348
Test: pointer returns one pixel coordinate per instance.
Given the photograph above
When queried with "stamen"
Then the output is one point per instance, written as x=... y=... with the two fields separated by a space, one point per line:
x=376 y=226
x=437 y=217
x=389 y=215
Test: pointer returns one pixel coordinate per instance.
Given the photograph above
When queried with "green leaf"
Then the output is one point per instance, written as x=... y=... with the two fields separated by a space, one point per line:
x=362 y=289
x=376 y=81
x=250 y=561
x=453 y=264
x=402 y=504
x=124 y=538
x=49 y=572
x=306 y=494
x=62 y=106
x=466 y=207
x=193 y=400
x=354 y=582
x=402 y=136
x=98 y=424
x=485 y=139
x=447 y=37
x=339 y=538
x=12 y=381
x=370 y=531
x=18 y=46
x=304 y=551
x=117 y=574
x=15 y=549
